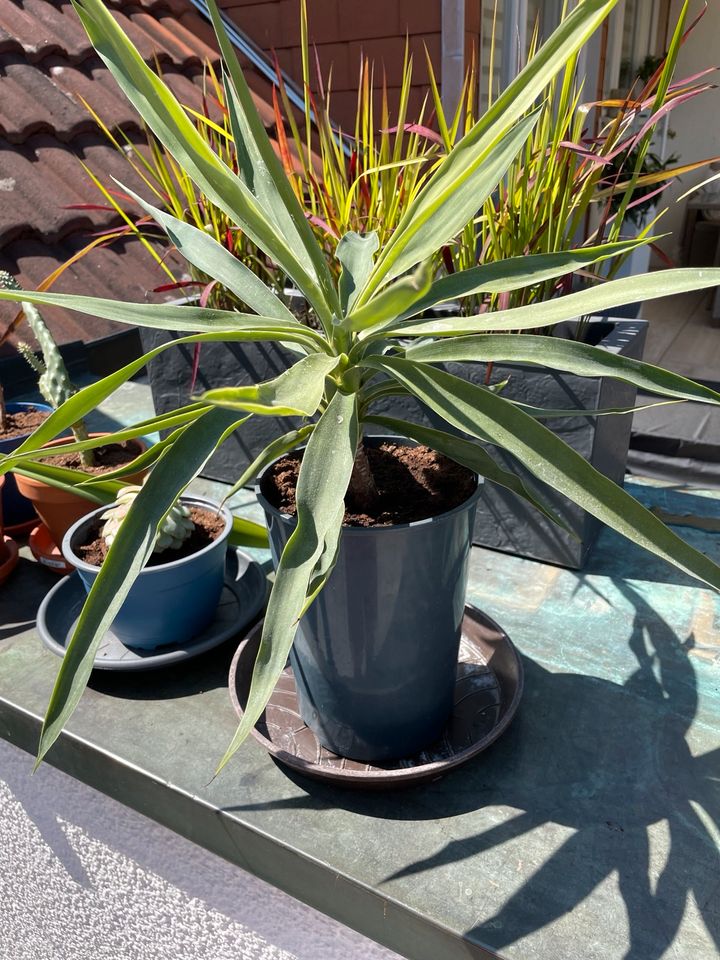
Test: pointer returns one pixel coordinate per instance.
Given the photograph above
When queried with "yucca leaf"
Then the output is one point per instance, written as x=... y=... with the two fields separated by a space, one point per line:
x=269 y=180
x=604 y=296
x=164 y=316
x=519 y=97
x=448 y=201
x=324 y=476
x=297 y=392
x=126 y=557
x=213 y=259
x=276 y=448
x=515 y=273
x=247 y=533
x=174 y=129
x=393 y=301
x=566 y=355
x=477 y=411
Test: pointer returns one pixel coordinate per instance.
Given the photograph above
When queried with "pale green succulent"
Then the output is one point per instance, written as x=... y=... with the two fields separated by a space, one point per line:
x=172 y=533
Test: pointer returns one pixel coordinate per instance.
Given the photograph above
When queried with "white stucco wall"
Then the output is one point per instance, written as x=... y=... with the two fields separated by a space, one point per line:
x=84 y=878
x=697 y=123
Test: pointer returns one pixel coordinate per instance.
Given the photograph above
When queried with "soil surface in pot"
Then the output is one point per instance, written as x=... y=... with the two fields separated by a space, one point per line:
x=208 y=527
x=107 y=458
x=22 y=422
x=413 y=483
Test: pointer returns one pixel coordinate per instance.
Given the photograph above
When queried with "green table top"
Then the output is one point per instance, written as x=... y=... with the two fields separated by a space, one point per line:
x=589 y=830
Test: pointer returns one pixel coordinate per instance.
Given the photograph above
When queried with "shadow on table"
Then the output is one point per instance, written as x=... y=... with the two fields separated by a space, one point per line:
x=607 y=762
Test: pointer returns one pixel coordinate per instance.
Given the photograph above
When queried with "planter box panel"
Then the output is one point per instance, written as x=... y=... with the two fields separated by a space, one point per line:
x=221 y=365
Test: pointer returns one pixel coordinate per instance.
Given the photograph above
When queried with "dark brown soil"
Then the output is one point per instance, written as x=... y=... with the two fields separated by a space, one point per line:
x=107 y=458
x=413 y=483
x=22 y=422
x=208 y=527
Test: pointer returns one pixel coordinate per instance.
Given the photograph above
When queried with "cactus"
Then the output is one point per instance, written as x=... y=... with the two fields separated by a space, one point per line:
x=172 y=532
x=53 y=380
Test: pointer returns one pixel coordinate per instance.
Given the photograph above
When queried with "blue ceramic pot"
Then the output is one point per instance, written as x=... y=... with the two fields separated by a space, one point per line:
x=17 y=509
x=375 y=657
x=168 y=603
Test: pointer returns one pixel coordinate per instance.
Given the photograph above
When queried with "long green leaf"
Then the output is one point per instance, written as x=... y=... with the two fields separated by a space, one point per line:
x=474 y=410
x=392 y=301
x=297 y=392
x=605 y=296
x=126 y=558
x=247 y=533
x=164 y=316
x=205 y=253
x=448 y=201
x=174 y=129
x=515 y=273
x=64 y=478
x=324 y=476
x=470 y=455
x=270 y=182
x=178 y=418
x=519 y=97
x=567 y=355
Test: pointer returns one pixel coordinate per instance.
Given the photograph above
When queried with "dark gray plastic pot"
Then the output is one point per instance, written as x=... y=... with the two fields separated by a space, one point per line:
x=375 y=657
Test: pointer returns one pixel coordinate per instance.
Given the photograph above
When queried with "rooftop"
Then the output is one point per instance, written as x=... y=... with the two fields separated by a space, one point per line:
x=47 y=68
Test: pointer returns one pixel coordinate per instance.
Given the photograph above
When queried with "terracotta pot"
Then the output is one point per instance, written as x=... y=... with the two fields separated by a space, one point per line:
x=8 y=547
x=58 y=509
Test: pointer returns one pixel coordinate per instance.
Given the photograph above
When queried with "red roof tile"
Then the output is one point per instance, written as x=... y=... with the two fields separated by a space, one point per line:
x=47 y=69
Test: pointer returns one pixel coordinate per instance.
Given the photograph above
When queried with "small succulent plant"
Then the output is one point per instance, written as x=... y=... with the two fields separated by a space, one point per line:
x=53 y=379
x=174 y=529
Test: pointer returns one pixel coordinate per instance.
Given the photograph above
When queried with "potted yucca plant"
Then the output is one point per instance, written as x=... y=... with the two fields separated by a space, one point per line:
x=345 y=589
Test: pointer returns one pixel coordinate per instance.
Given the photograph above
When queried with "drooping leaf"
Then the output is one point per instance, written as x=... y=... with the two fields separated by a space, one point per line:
x=474 y=410
x=324 y=476
x=126 y=558
x=164 y=316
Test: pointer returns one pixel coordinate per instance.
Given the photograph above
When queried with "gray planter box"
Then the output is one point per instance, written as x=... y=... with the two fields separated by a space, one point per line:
x=503 y=522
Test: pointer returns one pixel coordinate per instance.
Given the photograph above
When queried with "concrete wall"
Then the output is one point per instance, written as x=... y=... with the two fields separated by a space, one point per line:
x=696 y=124
x=84 y=878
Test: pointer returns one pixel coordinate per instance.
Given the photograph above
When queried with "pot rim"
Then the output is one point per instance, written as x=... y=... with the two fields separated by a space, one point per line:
x=13 y=406
x=81 y=564
x=349 y=530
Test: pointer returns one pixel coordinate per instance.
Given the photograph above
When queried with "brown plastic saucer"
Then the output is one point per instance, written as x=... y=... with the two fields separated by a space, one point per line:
x=487 y=693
